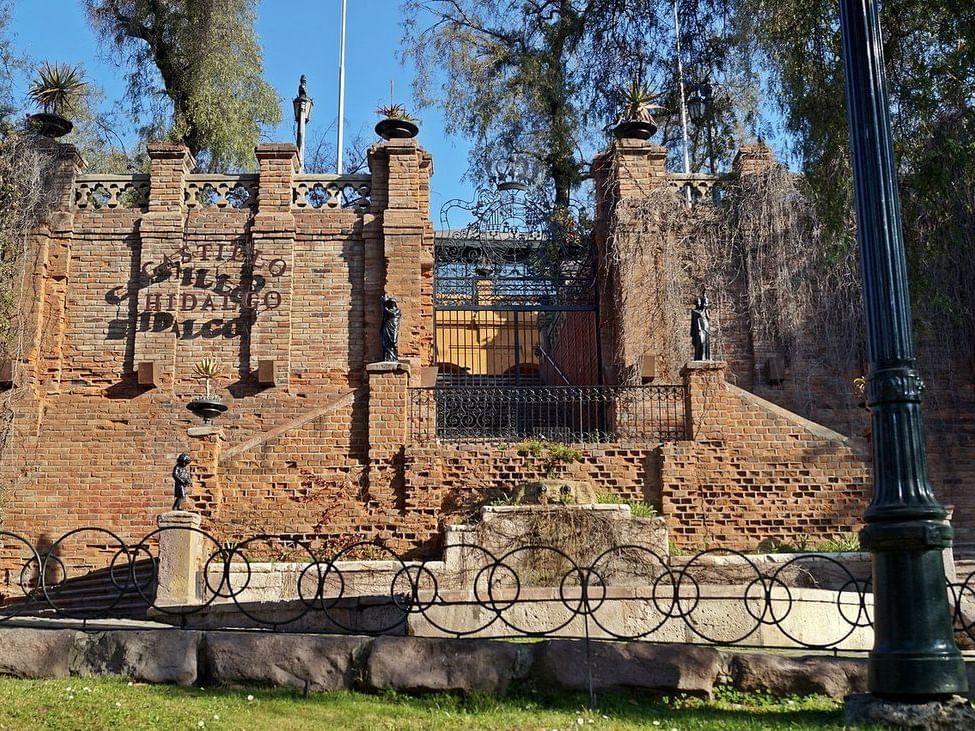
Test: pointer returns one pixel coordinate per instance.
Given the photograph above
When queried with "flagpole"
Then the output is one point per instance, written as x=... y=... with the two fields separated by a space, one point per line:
x=680 y=83
x=341 y=116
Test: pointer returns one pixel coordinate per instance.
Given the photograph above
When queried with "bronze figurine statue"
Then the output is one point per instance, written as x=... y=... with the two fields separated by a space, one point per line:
x=701 y=328
x=390 y=330
x=181 y=480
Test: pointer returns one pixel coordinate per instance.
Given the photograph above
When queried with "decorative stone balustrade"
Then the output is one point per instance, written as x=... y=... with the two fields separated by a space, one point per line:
x=332 y=191
x=97 y=192
x=221 y=191
x=702 y=186
x=94 y=192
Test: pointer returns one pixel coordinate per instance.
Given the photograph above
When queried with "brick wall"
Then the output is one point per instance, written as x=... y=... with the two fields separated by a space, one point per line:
x=324 y=452
x=173 y=282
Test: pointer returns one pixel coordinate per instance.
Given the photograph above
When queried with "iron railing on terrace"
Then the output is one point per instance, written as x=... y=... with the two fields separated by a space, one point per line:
x=626 y=592
x=572 y=414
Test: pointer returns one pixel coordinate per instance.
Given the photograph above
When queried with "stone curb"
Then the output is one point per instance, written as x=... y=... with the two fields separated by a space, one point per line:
x=414 y=664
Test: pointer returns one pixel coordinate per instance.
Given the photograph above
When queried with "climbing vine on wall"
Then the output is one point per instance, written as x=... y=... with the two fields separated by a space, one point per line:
x=760 y=255
x=26 y=197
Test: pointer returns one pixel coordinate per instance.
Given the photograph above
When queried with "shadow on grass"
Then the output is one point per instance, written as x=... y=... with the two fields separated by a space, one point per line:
x=729 y=710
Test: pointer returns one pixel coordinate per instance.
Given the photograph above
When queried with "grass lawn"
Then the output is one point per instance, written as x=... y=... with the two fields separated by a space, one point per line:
x=112 y=703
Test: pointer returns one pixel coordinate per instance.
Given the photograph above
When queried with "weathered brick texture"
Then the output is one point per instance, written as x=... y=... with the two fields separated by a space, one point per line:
x=325 y=453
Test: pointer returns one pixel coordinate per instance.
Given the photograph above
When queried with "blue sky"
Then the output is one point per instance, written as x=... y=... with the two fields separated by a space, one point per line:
x=297 y=38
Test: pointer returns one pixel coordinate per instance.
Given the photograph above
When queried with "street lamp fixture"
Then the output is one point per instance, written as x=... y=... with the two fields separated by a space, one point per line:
x=914 y=657
x=302 y=107
x=700 y=108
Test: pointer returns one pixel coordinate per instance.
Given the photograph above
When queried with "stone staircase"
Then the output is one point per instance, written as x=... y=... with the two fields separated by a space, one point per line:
x=96 y=595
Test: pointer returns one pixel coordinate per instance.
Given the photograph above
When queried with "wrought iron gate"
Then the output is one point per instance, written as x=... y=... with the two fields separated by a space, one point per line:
x=515 y=327
x=514 y=295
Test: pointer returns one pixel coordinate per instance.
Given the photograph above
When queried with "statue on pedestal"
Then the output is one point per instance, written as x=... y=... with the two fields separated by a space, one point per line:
x=181 y=480
x=701 y=328
x=390 y=330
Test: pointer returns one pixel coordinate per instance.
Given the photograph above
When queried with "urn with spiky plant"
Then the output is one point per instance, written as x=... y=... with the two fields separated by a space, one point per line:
x=636 y=120
x=397 y=123
x=56 y=91
x=209 y=406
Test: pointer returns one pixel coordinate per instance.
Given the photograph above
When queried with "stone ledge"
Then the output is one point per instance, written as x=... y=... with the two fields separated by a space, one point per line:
x=414 y=664
x=385 y=366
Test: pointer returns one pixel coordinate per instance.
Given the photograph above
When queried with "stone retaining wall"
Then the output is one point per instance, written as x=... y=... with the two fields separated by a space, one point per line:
x=415 y=665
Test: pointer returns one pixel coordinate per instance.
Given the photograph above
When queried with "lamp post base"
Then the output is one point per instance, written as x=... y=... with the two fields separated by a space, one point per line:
x=953 y=712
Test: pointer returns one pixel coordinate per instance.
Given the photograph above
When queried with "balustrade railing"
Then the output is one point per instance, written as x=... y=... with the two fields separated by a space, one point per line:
x=94 y=192
x=575 y=414
x=221 y=191
x=332 y=191
x=698 y=187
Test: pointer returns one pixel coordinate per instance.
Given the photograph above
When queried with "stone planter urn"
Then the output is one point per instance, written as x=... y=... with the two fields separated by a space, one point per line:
x=396 y=129
x=49 y=125
x=207 y=408
x=634 y=129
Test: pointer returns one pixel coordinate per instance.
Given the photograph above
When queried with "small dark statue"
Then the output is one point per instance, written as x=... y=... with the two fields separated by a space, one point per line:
x=701 y=328
x=390 y=331
x=181 y=480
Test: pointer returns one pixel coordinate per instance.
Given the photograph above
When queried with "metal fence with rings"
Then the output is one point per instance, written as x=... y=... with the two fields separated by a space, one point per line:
x=529 y=590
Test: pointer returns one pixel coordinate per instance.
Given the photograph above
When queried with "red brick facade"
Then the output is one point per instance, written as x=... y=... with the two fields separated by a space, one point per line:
x=325 y=453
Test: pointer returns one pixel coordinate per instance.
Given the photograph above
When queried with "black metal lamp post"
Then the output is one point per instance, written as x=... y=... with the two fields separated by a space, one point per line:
x=914 y=656
x=700 y=107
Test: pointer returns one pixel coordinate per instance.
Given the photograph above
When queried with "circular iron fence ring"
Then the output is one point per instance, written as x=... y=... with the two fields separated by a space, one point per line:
x=491 y=602
x=674 y=611
x=767 y=600
x=240 y=550
x=863 y=618
x=19 y=606
x=852 y=626
x=968 y=627
x=55 y=551
x=225 y=555
x=572 y=565
x=688 y=614
x=153 y=563
x=129 y=571
x=319 y=585
x=413 y=575
x=328 y=609
x=581 y=602
x=679 y=598
x=38 y=565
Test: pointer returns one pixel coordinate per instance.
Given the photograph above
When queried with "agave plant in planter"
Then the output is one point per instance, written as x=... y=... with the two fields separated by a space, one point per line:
x=209 y=405
x=56 y=90
x=397 y=123
x=636 y=122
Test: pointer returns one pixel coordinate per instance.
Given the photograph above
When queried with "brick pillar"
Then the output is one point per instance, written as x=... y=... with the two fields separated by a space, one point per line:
x=401 y=199
x=272 y=259
x=206 y=487
x=40 y=368
x=755 y=159
x=704 y=397
x=389 y=420
x=161 y=232
x=624 y=176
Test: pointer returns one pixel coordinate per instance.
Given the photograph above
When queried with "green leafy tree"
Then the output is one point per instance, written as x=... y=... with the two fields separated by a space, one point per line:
x=209 y=66
x=929 y=49
x=542 y=78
